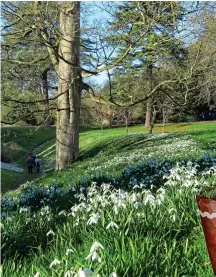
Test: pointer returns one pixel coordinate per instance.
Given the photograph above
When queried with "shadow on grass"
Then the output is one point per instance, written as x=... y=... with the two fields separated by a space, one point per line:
x=206 y=138
x=126 y=143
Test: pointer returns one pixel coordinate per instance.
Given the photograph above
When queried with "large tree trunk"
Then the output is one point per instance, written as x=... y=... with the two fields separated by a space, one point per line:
x=47 y=117
x=68 y=114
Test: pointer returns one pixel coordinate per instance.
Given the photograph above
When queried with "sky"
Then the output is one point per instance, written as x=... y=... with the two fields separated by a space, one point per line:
x=97 y=13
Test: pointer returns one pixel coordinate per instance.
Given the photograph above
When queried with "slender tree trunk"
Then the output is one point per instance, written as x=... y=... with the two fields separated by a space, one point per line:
x=148 y=117
x=209 y=97
x=68 y=113
x=126 y=124
x=47 y=117
x=164 y=118
x=110 y=117
x=148 y=113
x=152 y=121
x=126 y=114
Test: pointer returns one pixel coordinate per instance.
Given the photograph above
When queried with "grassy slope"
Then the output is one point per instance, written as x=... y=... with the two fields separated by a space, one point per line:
x=205 y=134
x=92 y=141
x=17 y=142
x=96 y=145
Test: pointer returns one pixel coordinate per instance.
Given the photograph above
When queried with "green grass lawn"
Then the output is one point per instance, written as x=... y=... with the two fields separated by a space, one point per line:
x=205 y=134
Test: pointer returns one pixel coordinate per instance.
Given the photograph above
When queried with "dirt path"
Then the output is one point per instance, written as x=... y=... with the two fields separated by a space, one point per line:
x=15 y=174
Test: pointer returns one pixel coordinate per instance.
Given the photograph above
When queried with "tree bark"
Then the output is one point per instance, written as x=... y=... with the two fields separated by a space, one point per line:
x=47 y=117
x=164 y=118
x=126 y=115
x=148 y=115
x=152 y=121
x=69 y=77
x=110 y=117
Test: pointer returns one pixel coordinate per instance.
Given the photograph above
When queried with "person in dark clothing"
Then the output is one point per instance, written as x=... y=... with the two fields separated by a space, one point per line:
x=38 y=163
x=30 y=163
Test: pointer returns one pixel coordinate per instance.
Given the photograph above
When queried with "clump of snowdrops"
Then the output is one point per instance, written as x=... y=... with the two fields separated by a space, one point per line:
x=113 y=232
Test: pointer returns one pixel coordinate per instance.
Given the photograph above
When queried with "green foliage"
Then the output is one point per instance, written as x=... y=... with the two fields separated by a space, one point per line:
x=208 y=190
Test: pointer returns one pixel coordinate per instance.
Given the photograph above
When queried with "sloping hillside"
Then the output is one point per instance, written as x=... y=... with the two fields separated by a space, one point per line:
x=127 y=208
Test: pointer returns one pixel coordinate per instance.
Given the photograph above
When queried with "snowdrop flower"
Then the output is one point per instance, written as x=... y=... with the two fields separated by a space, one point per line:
x=133 y=197
x=180 y=191
x=142 y=185
x=188 y=183
x=196 y=183
x=136 y=186
x=46 y=209
x=136 y=205
x=158 y=201
x=75 y=208
x=152 y=186
x=116 y=209
x=121 y=204
x=94 y=256
x=195 y=190
x=72 y=214
x=68 y=251
x=93 y=219
x=113 y=274
x=84 y=273
x=1 y=226
x=76 y=223
x=173 y=217
x=50 y=233
x=149 y=198
x=160 y=198
x=95 y=246
x=161 y=190
x=171 y=210
x=22 y=210
x=89 y=208
x=55 y=262
x=37 y=274
x=112 y=224
x=63 y=212
x=69 y=273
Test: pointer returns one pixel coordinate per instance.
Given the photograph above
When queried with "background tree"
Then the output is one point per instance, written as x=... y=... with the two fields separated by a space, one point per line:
x=157 y=21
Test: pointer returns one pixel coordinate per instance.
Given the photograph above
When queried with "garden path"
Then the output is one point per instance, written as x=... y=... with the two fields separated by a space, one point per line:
x=11 y=167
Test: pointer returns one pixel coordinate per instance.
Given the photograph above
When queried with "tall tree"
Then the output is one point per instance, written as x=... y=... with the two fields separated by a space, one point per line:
x=158 y=21
x=69 y=74
x=55 y=27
